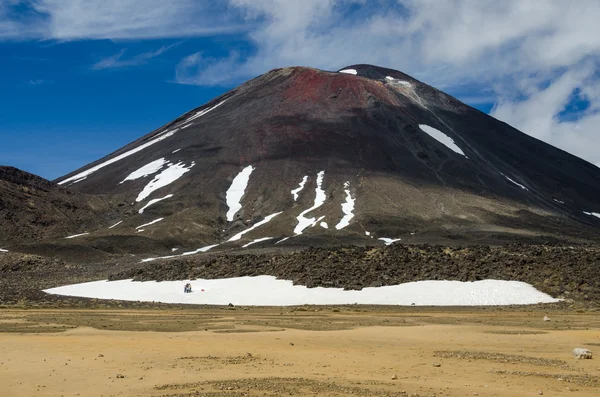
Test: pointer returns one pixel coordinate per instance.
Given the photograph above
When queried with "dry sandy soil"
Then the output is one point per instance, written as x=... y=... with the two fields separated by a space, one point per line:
x=303 y=351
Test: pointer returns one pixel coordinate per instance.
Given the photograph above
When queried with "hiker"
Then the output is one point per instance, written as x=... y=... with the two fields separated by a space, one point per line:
x=187 y=288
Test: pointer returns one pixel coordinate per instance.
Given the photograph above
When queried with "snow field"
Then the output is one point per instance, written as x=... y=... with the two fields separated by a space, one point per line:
x=320 y=197
x=148 y=169
x=347 y=208
x=442 y=138
x=269 y=291
x=296 y=191
x=236 y=192
x=166 y=177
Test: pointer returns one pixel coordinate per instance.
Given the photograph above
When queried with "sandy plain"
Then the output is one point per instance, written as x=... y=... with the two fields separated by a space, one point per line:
x=301 y=351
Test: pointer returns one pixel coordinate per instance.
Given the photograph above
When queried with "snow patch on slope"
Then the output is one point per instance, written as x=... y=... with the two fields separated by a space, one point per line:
x=150 y=223
x=78 y=180
x=320 y=197
x=154 y=201
x=258 y=240
x=203 y=112
x=78 y=235
x=89 y=171
x=148 y=169
x=199 y=250
x=349 y=71
x=389 y=241
x=236 y=192
x=166 y=177
x=515 y=182
x=347 y=208
x=296 y=191
x=597 y=215
x=559 y=201
x=396 y=81
x=241 y=234
x=116 y=224
x=162 y=136
x=268 y=291
x=442 y=138
x=3 y=250
x=324 y=225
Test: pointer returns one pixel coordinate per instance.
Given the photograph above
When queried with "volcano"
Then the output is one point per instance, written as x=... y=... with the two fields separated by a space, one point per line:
x=365 y=155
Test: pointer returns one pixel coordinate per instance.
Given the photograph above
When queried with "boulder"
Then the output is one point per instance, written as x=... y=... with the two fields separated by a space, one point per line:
x=580 y=353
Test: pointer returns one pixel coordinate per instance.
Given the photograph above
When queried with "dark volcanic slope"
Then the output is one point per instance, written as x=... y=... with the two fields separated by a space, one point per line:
x=33 y=208
x=416 y=163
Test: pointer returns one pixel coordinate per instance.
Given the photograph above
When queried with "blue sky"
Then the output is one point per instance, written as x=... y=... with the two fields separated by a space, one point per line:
x=81 y=78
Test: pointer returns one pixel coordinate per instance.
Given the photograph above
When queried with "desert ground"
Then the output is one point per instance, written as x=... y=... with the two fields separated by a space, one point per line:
x=298 y=351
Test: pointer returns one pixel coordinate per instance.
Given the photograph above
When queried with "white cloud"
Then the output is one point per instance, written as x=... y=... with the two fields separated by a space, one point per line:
x=115 y=19
x=538 y=114
x=119 y=61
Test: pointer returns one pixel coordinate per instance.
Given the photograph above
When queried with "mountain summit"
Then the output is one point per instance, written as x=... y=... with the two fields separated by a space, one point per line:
x=367 y=154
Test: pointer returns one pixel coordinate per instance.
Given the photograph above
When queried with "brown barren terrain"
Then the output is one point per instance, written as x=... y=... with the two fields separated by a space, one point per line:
x=302 y=351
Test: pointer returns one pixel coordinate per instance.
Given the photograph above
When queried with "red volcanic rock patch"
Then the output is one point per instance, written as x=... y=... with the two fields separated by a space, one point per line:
x=314 y=86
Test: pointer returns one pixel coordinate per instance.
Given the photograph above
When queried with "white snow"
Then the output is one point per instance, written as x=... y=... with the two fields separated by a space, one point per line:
x=320 y=197
x=282 y=240
x=367 y=233
x=442 y=138
x=203 y=249
x=148 y=169
x=78 y=180
x=3 y=250
x=347 y=208
x=162 y=136
x=597 y=215
x=268 y=291
x=174 y=249
x=116 y=224
x=299 y=188
x=150 y=223
x=166 y=177
x=236 y=191
x=117 y=158
x=186 y=126
x=176 y=150
x=324 y=225
x=389 y=241
x=401 y=82
x=77 y=235
x=203 y=112
x=154 y=201
x=559 y=201
x=348 y=71
x=515 y=182
x=266 y=220
x=258 y=240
